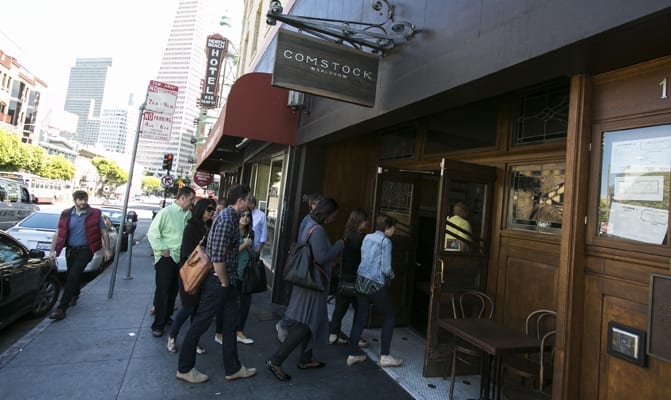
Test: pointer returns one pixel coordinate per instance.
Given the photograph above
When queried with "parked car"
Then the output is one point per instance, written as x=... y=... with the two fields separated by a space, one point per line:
x=37 y=230
x=114 y=215
x=28 y=282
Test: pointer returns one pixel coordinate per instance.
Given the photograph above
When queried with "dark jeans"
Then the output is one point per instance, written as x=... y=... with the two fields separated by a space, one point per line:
x=341 y=304
x=245 y=304
x=182 y=314
x=298 y=334
x=382 y=301
x=76 y=258
x=166 y=291
x=213 y=297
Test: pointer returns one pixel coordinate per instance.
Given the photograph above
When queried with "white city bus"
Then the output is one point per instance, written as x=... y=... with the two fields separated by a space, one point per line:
x=45 y=190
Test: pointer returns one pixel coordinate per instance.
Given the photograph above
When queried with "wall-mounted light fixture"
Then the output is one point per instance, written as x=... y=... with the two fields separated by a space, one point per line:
x=380 y=38
x=298 y=101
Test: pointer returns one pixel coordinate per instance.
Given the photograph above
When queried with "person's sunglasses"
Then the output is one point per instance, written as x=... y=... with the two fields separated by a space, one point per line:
x=209 y=209
x=244 y=215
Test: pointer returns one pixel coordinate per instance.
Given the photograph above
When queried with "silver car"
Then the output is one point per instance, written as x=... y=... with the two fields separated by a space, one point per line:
x=37 y=230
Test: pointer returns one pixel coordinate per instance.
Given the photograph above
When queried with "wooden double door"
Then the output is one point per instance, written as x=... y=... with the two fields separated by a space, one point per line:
x=427 y=265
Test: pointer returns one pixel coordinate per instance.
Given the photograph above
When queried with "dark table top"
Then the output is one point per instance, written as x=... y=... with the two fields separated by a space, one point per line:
x=490 y=336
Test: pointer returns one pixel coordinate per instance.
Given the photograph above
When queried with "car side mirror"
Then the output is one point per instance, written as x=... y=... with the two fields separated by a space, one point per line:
x=36 y=253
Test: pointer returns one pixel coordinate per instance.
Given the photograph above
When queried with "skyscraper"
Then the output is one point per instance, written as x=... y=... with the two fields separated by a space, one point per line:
x=183 y=65
x=86 y=89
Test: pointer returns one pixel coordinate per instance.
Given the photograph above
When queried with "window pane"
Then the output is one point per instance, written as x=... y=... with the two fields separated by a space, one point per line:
x=537 y=197
x=542 y=116
x=634 y=190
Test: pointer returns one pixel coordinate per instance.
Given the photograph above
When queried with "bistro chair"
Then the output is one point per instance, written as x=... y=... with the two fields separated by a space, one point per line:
x=527 y=367
x=520 y=392
x=468 y=304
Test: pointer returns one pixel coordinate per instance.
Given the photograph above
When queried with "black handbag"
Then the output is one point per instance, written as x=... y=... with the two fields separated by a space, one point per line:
x=254 y=278
x=301 y=269
x=346 y=287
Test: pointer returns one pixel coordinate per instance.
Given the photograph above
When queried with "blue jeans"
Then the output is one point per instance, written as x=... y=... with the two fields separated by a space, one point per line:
x=382 y=301
x=213 y=298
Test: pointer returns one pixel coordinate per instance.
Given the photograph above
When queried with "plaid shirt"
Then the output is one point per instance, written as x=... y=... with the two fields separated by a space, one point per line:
x=222 y=241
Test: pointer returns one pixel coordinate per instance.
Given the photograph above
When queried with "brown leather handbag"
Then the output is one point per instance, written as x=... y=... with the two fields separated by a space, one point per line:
x=195 y=269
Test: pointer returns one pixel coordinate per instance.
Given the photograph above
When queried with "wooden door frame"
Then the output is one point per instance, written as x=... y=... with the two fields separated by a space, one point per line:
x=571 y=282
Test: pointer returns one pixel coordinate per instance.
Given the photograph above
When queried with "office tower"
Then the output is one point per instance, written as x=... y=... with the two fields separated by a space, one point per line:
x=117 y=128
x=86 y=89
x=183 y=64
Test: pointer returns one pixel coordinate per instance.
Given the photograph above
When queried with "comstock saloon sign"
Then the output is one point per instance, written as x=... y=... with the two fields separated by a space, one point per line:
x=215 y=51
x=325 y=69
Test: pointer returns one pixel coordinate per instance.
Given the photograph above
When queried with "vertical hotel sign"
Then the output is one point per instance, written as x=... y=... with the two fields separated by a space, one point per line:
x=326 y=69
x=215 y=52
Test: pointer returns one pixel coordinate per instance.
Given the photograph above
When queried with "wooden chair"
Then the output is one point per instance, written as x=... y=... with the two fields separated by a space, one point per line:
x=532 y=368
x=526 y=366
x=468 y=304
x=520 y=392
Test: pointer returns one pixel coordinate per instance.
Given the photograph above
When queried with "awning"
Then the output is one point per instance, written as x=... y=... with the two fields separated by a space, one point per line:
x=254 y=110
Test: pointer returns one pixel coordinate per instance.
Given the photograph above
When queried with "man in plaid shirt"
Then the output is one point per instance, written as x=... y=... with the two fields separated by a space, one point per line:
x=218 y=293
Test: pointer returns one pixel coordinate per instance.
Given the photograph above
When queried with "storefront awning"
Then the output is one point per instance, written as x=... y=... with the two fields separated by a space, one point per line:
x=254 y=110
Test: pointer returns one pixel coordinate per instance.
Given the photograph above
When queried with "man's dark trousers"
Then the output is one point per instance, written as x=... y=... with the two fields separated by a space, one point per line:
x=213 y=297
x=166 y=291
x=76 y=258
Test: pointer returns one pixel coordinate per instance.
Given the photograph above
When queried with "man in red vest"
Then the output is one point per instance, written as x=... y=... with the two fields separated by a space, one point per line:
x=82 y=231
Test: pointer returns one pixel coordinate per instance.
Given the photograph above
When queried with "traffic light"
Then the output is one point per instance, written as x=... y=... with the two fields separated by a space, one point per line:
x=167 y=161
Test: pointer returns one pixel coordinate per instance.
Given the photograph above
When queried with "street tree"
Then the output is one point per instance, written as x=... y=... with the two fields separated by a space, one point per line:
x=12 y=152
x=111 y=176
x=37 y=160
x=59 y=167
x=150 y=184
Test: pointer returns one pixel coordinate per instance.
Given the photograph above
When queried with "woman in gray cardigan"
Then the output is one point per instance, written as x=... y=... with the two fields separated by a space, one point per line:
x=307 y=311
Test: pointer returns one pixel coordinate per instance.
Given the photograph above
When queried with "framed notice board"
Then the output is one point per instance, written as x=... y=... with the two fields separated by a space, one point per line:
x=659 y=317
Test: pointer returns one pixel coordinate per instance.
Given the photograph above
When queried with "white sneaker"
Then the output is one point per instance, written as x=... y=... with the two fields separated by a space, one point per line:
x=172 y=348
x=241 y=338
x=351 y=360
x=193 y=376
x=390 y=361
x=243 y=372
x=219 y=338
x=200 y=350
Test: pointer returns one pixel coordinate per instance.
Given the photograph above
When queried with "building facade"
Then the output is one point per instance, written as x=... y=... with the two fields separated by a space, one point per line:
x=85 y=95
x=550 y=120
x=19 y=99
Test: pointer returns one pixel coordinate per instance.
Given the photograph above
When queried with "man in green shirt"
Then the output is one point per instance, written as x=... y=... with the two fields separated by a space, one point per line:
x=165 y=237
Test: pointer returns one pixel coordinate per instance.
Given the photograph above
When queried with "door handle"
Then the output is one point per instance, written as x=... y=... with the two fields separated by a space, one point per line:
x=442 y=267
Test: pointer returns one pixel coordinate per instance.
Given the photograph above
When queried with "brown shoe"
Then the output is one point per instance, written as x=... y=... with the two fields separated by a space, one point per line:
x=58 y=314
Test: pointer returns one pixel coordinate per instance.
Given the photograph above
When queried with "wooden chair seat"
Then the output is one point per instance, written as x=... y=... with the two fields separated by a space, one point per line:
x=527 y=368
x=519 y=392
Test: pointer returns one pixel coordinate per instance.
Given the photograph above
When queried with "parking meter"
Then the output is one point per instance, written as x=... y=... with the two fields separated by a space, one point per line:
x=131 y=221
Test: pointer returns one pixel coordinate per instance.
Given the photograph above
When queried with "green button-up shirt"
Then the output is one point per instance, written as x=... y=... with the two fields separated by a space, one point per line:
x=166 y=230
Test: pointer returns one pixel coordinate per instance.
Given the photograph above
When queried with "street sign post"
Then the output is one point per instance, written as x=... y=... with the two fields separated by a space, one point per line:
x=161 y=97
x=157 y=109
x=167 y=181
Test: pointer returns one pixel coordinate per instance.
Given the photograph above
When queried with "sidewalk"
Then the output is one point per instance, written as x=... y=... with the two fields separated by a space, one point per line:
x=104 y=350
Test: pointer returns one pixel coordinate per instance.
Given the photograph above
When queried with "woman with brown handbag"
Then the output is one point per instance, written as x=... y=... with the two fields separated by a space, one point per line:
x=194 y=231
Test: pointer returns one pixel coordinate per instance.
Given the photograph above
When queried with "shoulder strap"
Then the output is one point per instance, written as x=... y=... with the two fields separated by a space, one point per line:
x=312 y=228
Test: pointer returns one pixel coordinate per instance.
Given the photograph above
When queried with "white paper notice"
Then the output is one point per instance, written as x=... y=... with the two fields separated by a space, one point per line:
x=644 y=155
x=644 y=224
x=645 y=188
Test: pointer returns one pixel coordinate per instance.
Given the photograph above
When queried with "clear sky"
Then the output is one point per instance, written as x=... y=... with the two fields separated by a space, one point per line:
x=46 y=36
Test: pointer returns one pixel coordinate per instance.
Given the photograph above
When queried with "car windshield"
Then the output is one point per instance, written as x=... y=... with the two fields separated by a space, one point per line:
x=41 y=221
x=114 y=215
